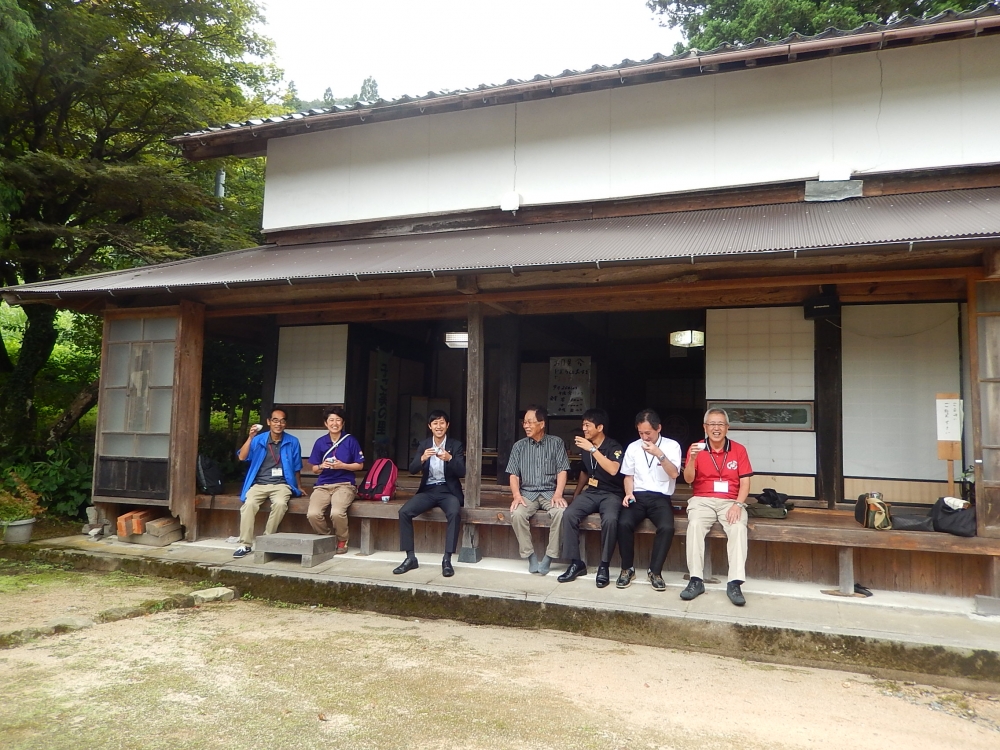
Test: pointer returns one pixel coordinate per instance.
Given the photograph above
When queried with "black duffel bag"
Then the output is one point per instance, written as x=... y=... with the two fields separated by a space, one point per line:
x=902 y=522
x=957 y=522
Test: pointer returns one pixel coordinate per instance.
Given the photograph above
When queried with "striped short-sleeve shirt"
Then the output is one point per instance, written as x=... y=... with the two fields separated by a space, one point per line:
x=536 y=464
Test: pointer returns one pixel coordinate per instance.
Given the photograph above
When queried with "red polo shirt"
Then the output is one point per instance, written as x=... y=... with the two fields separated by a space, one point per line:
x=728 y=465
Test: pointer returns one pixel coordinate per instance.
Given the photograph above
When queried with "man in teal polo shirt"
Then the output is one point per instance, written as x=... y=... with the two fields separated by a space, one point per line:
x=275 y=466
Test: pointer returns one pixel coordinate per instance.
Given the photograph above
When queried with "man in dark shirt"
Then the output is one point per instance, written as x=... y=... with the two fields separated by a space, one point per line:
x=600 y=488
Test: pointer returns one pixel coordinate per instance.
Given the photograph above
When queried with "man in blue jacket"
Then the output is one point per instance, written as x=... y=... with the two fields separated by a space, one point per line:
x=275 y=465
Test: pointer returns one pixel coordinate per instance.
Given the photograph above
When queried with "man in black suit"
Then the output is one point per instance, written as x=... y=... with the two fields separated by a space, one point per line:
x=441 y=460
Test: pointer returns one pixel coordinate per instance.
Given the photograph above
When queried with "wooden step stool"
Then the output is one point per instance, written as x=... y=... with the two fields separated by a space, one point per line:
x=313 y=548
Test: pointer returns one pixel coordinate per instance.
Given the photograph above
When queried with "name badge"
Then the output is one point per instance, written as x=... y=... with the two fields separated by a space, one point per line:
x=276 y=471
x=721 y=486
x=592 y=481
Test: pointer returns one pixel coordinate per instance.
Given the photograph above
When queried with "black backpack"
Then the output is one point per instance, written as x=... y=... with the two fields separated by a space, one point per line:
x=210 y=476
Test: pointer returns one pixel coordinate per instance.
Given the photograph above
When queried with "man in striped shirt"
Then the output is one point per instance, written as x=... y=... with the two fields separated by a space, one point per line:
x=538 y=467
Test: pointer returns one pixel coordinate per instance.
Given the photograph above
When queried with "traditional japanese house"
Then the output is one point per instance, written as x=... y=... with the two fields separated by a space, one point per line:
x=804 y=232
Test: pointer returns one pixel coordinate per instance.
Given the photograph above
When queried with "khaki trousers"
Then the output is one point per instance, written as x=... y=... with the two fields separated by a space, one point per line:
x=336 y=497
x=519 y=521
x=702 y=513
x=256 y=495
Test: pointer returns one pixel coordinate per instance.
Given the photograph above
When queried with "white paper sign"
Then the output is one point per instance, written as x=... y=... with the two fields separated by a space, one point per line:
x=569 y=385
x=949 y=419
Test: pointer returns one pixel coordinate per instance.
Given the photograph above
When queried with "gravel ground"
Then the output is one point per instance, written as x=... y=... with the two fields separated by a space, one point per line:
x=251 y=674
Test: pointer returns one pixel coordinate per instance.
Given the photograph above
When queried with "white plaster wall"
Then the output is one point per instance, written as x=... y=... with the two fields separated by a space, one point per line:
x=922 y=106
x=312 y=365
x=764 y=354
x=895 y=359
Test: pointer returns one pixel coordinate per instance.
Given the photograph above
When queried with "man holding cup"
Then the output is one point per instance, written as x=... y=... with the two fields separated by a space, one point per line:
x=441 y=462
x=275 y=467
x=719 y=472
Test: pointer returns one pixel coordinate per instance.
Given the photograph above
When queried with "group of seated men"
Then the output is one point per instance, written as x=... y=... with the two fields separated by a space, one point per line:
x=623 y=485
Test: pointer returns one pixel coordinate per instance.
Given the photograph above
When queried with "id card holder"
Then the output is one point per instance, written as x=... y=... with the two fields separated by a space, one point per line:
x=721 y=486
x=276 y=471
x=592 y=481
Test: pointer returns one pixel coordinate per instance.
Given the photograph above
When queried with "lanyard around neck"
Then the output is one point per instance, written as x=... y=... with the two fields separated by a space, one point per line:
x=650 y=458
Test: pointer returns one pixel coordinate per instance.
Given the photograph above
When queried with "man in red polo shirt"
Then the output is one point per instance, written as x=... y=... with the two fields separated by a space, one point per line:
x=719 y=472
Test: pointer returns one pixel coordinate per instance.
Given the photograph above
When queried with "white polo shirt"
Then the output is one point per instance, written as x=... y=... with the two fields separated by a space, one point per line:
x=646 y=472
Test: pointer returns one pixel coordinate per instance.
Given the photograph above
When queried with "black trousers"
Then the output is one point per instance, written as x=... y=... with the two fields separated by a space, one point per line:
x=587 y=502
x=656 y=507
x=435 y=496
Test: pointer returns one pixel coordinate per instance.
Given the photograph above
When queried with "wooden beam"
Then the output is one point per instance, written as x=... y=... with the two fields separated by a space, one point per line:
x=118 y=313
x=466 y=285
x=991 y=263
x=668 y=293
x=188 y=355
x=474 y=430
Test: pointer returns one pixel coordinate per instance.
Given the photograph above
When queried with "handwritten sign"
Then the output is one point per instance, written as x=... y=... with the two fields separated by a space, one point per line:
x=949 y=419
x=569 y=385
x=381 y=441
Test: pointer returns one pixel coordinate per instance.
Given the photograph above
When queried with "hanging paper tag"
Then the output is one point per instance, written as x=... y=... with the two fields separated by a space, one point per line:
x=592 y=481
x=276 y=472
x=721 y=486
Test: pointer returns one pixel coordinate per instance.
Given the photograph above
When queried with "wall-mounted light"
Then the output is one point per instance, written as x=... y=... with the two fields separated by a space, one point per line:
x=687 y=339
x=456 y=340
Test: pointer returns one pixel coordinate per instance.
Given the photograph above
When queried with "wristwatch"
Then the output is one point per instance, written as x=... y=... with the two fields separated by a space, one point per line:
x=742 y=505
x=593 y=449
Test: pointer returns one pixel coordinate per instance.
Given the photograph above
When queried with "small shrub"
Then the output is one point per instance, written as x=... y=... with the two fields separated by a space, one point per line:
x=18 y=503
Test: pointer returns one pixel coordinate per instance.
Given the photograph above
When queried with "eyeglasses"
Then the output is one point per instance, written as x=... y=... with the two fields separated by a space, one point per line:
x=278 y=421
x=716 y=424
x=526 y=423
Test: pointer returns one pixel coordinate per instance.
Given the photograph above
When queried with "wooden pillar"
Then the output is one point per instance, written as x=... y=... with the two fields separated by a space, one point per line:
x=188 y=354
x=469 y=551
x=829 y=417
x=270 y=367
x=984 y=318
x=509 y=372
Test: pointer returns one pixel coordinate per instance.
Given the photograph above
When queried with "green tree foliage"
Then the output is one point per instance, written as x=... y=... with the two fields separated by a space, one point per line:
x=708 y=23
x=86 y=180
x=16 y=32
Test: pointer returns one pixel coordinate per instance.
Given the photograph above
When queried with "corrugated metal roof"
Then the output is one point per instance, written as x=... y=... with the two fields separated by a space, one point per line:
x=905 y=30
x=680 y=236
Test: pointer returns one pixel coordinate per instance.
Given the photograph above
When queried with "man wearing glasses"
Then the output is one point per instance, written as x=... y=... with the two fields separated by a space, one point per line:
x=719 y=472
x=275 y=466
x=538 y=467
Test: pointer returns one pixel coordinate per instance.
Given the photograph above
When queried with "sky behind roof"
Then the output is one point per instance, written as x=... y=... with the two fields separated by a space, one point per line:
x=415 y=46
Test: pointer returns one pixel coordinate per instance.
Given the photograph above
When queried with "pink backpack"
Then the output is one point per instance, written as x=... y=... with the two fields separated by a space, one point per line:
x=380 y=481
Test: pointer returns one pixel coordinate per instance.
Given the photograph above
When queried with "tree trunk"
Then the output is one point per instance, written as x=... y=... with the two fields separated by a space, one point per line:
x=17 y=409
x=6 y=366
x=84 y=402
x=244 y=422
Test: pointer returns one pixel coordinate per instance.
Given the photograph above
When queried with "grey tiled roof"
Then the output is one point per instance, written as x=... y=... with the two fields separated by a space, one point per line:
x=681 y=237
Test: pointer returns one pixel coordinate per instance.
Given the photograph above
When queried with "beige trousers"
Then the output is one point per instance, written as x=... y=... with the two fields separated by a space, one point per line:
x=336 y=497
x=520 y=522
x=702 y=513
x=256 y=495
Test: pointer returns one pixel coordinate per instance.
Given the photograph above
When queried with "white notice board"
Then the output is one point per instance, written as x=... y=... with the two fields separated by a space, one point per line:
x=569 y=385
x=949 y=419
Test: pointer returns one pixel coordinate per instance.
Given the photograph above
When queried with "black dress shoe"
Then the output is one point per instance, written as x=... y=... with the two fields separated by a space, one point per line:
x=603 y=576
x=574 y=570
x=406 y=566
x=446 y=570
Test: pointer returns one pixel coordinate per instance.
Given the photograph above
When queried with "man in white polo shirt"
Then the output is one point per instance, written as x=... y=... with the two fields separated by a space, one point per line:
x=650 y=467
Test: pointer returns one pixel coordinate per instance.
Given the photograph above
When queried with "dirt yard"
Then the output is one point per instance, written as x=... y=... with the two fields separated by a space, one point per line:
x=250 y=674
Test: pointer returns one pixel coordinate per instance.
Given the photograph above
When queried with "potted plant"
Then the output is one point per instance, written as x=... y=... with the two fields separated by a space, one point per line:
x=18 y=508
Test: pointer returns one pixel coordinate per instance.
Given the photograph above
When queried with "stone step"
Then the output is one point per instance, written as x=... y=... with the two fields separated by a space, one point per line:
x=313 y=548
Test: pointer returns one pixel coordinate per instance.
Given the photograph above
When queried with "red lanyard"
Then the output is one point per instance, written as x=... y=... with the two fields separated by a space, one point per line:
x=270 y=449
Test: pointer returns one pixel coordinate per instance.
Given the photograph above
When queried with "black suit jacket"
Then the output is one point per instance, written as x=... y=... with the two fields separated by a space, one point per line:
x=454 y=470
